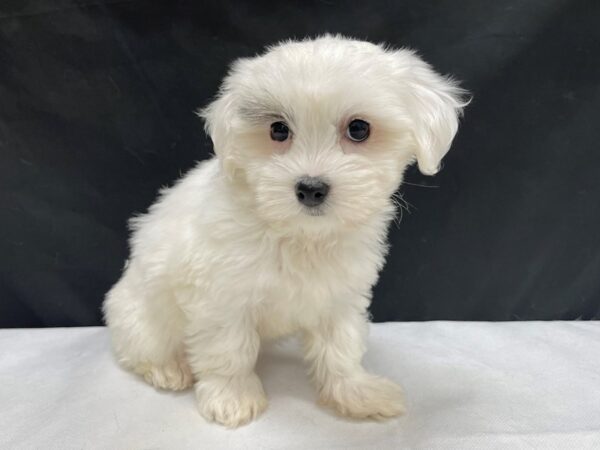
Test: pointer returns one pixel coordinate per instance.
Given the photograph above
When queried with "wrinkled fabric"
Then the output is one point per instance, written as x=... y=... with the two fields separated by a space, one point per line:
x=468 y=385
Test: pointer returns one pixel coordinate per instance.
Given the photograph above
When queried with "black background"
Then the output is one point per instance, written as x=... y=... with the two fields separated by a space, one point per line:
x=96 y=113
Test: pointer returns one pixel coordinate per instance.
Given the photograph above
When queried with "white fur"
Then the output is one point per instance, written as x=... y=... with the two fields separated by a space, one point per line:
x=228 y=256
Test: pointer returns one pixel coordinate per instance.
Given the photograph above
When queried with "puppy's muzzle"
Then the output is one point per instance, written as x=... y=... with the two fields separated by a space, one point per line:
x=311 y=191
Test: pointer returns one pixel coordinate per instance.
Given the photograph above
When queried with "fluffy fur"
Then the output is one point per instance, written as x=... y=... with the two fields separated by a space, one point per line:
x=228 y=257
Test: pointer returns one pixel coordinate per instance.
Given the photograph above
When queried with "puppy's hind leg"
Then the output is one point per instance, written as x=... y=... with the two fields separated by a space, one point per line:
x=146 y=329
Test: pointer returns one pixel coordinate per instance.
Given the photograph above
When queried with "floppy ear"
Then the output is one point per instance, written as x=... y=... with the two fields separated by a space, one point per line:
x=217 y=121
x=434 y=104
x=221 y=117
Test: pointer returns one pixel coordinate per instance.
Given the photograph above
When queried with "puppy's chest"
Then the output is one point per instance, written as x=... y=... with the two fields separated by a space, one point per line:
x=314 y=266
x=307 y=281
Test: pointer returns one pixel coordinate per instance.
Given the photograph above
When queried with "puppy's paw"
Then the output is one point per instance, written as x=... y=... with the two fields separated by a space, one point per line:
x=230 y=401
x=366 y=396
x=175 y=375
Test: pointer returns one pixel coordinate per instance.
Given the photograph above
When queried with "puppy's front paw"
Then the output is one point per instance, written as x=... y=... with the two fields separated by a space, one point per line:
x=367 y=396
x=230 y=401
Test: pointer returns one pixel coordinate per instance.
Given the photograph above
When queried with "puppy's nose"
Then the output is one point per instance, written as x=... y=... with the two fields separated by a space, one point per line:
x=311 y=191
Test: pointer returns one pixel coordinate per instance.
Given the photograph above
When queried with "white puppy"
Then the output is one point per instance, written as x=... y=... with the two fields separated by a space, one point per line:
x=284 y=231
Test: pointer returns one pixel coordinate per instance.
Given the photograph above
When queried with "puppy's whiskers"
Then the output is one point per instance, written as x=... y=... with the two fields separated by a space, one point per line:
x=401 y=205
x=420 y=185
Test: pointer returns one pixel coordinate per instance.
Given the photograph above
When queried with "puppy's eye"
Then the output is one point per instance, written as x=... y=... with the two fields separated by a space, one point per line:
x=279 y=131
x=358 y=130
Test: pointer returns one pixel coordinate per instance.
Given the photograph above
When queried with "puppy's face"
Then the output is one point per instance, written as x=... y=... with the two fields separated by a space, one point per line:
x=316 y=134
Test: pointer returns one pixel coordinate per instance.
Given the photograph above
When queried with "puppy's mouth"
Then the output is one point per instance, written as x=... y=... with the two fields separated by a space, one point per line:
x=315 y=211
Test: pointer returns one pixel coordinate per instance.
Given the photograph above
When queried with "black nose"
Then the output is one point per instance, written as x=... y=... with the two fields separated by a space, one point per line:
x=311 y=191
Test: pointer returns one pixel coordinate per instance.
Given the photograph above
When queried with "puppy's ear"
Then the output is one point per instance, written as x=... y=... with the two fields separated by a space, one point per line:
x=217 y=120
x=434 y=105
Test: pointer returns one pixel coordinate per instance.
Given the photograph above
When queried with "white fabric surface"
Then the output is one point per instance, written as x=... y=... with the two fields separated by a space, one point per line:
x=468 y=385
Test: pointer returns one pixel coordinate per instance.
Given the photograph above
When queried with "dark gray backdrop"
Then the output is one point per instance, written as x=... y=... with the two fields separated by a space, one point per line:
x=96 y=101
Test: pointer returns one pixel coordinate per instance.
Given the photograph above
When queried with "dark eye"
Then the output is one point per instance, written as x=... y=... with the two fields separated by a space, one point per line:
x=279 y=131
x=358 y=130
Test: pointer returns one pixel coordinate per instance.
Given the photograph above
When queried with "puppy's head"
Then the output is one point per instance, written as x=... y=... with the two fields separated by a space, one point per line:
x=317 y=134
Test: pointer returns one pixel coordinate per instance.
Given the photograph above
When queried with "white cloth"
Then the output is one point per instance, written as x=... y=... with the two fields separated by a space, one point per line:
x=468 y=385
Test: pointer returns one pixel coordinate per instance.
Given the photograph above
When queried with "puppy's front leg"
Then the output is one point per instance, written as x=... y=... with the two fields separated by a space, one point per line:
x=222 y=355
x=334 y=350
